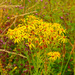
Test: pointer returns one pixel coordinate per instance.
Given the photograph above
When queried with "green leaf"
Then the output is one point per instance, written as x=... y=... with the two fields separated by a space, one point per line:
x=72 y=29
x=47 y=17
x=69 y=69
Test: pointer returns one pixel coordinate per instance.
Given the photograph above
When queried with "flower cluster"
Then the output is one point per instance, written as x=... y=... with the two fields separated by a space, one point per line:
x=53 y=55
x=37 y=32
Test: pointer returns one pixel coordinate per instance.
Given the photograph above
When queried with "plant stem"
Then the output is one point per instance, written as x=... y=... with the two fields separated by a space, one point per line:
x=27 y=58
x=69 y=58
x=24 y=6
x=74 y=61
x=62 y=65
x=66 y=65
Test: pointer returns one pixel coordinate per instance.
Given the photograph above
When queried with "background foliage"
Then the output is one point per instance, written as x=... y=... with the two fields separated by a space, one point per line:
x=54 y=11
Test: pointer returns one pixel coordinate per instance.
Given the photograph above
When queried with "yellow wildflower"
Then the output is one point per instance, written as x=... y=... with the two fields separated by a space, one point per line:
x=53 y=55
x=32 y=27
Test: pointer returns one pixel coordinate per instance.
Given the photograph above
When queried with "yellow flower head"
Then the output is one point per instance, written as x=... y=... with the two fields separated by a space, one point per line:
x=53 y=55
x=31 y=27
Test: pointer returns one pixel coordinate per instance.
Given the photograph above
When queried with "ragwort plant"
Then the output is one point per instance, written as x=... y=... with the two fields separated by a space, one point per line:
x=42 y=38
x=64 y=17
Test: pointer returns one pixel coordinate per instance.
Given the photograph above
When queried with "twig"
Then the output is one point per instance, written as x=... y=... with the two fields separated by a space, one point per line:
x=8 y=27
x=74 y=58
x=24 y=6
x=3 y=50
x=9 y=6
x=2 y=3
x=19 y=15
x=65 y=22
x=14 y=21
x=33 y=5
x=26 y=14
x=64 y=50
x=73 y=47
x=70 y=43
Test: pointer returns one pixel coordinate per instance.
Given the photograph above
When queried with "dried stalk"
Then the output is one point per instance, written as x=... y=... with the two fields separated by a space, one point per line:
x=3 y=50
x=19 y=16
x=65 y=22
x=9 y=26
x=14 y=21
x=70 y=43
x=73 y=48
x=26 y=14
x=9 y=6
x=24 y=6
x=33 y=6
x=3 y=2
x=74 y=58
x=64 y=50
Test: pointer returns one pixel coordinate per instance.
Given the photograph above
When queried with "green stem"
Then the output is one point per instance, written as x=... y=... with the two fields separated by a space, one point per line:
x=72 y=51
x=37 y=62
x=66 y=64
x=74 y=61
x=22 y=46
x=62 y=65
